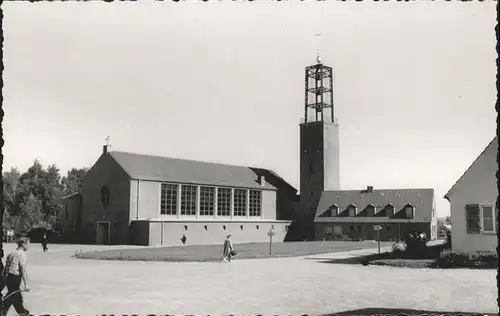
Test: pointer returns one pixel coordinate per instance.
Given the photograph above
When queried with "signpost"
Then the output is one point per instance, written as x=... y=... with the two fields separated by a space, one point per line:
x=378 y=228
x=271 y=233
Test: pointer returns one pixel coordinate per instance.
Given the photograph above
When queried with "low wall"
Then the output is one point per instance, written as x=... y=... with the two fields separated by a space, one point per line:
x=170 y=233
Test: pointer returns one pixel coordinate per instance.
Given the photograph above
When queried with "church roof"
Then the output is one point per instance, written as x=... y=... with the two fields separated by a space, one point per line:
x=156 y=168
x=421 y=199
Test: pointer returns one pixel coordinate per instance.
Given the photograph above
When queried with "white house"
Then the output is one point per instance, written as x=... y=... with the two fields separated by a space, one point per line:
x=473 y=205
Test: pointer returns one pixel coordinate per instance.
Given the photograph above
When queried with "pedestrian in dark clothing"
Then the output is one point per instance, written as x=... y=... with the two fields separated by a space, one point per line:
x=15 y=272
x=45 y=241
x=228 y=251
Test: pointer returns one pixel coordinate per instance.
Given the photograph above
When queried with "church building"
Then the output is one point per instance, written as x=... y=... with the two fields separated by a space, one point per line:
x=140 y=199
x=130 y=198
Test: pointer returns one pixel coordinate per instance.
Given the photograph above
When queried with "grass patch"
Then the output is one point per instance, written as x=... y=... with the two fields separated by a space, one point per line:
x=214 y=252
x=404 y=263
x=450 y=259
x=398 y=258
x=436 y=256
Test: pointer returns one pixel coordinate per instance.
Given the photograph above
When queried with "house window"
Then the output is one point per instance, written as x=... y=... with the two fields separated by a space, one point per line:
x=352 y=210
x=409 y=211
x=188 y=199
x=240 y=202
x=255 y=202
x=66 y=215
x=389 y=209
x=488 y=218
x=472 y=219
x=223 y=202
x=207 y=200
x=168 y=200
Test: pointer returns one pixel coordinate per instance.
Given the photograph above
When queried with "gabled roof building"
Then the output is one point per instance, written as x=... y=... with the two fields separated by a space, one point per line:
x=354 y=213
x=138 y=199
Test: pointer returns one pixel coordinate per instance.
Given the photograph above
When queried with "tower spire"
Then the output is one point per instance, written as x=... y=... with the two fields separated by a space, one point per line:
x=319 y=90
x=318 y=51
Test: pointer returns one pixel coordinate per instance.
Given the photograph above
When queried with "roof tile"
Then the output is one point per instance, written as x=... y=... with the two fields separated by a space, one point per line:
x=156 y=168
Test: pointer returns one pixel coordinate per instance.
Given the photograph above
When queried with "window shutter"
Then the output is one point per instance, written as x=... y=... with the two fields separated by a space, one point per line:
x=472 y=218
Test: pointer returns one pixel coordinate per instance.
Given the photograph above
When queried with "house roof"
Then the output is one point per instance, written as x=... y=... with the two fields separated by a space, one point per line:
x=491 y=144
x=399 y=198
x=156 y=168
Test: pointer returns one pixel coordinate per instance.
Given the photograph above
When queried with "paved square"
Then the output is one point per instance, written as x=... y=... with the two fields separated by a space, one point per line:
x=64 y=285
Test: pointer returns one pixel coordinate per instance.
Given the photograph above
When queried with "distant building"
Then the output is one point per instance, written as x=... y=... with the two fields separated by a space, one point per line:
x=473 y=199
x=148 y=200
x=355 y=214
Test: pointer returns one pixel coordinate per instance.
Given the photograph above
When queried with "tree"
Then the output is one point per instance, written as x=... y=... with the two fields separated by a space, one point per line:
x=12 y=194
x=30 y=214
x=53 y=193
x=73 y=181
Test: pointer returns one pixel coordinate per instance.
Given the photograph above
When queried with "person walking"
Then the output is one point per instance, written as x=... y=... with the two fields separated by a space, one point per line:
x=45 y=241
x=13 y=273
x=228 y=251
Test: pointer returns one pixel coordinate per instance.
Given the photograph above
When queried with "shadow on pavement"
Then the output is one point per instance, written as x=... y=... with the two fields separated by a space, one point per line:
x=404 y=312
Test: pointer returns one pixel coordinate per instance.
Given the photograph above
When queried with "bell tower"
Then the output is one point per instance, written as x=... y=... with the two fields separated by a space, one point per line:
x=319 y=138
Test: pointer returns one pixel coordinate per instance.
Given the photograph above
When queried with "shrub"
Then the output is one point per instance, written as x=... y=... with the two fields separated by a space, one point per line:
x=453 y=259
x=448 y=240
x=416 y=243
x=398 y=247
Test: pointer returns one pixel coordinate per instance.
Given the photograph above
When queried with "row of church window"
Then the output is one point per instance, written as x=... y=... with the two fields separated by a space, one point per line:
x=188 y=201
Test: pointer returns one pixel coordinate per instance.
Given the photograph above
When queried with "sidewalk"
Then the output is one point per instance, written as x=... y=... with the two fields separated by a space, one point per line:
x=362 y=252
x=349 y=254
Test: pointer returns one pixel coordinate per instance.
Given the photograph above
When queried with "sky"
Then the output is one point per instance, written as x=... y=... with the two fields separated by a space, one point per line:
x=224 y=82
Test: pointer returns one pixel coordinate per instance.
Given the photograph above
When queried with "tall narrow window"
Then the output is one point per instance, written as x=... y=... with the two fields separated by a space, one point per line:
x=168 y=199
x=240 y=202
x=188 y=199
x=207 y=201
x=472 y=218
x=255 y=203
x=223 y=202
x=488 y=218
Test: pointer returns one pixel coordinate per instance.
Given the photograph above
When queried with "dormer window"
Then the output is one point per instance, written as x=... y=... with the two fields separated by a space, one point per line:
x=389 y=210
x=370 y=210
x=409 y=211
x=352 y=210
x=332 y=211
